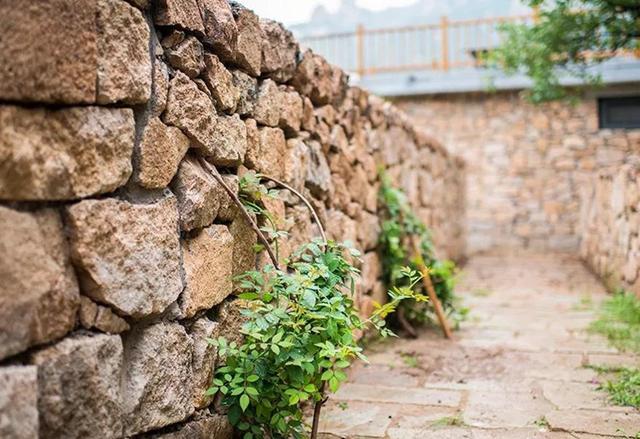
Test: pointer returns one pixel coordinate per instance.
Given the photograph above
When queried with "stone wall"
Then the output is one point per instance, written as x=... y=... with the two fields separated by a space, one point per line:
x=526 y=164
x=610 y=226
x=117 y=247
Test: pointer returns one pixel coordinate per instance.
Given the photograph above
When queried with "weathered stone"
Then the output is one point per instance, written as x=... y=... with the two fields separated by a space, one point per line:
x=127 y=255
x=208 y=264
x=248 y=54
x=371 y=271
x=100 y=317
x=318 y=178
x=248 y=92
x=340 y=227
x=172 y=39
x=229 y=142
x=192 y=111
x=244 y=240
x=295 y=164
x=290 y=111
x=161 y=88
x=124 y=64
x=80 y=59
x=266 y=149
x=204 y=359
x=279 y=51
x=315 y=78
x=19 y=402
x=368 y=230
x=219 y=80
x=231 y=319
x=187 y=56
x=182 y=13
x=63 y=154
x=79 y=388
x=220 y=29
x=308 y=115
x=156 y=385
x=39 y=296
x=161 y=150
x=205 y=427
x=269 y=104
x=228 y=209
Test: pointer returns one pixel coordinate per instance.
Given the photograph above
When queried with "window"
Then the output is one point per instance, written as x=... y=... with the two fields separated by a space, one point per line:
x=620 y=112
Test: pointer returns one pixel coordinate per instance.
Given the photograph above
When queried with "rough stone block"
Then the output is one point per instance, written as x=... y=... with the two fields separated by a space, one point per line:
x=191 y=110
x=266 y=149
x=127 y=255
x=161 y=83
x=248 y=53
x=124 y=64
x=199 y=195
x=204 y=359
x=39 y=295
x=64 y=154
x=208 y=264
x=184 y=14
x=317 y=79
x=220 y=29
x=161 y=150
x=219 y=80
x=279 y=51
x=268 y=104
x=92 y=315
x=368 y=230
x=79 y=388
x=318 y=178
x=229 y=142
x=244 y=239
x=19 y=402
x=248 y=92
x=206 y=426
x=92 y=51
x=187 y=56
x=157 y=388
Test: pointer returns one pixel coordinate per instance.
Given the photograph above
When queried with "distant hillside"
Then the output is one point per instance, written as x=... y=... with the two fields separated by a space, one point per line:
x=350 y=15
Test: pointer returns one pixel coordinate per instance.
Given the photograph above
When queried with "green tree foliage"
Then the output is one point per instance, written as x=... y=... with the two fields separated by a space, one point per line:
x=399 y=227
x=568 y=37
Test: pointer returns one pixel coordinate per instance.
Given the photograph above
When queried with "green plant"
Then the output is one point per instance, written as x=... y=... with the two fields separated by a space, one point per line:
x=298 y=336
x=542 y=423
x=449 y=421
x=410 y=360
x=624 y=385
x=619 y=321
x=401 y=228
x=568 y=35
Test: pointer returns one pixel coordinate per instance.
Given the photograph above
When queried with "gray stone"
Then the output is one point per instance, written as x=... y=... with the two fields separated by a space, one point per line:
x=156 y=386
x=208 y=265
x=127 y=255
x=248 y=54
x=79 y=388
x=92 y=315
x=248 y=92
x=268 y=104
x=39 y=295
x=19 y=402
x=161 y=149
x=191 y=110
x=279 y=51
x=219 y=80
x=182 y=13
x=221 y=31
x=204 y=359
x=206 y=426
x=64 y=154
x=187 y=56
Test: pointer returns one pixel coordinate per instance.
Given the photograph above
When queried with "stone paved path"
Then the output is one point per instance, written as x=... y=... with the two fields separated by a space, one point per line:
x=515 y=370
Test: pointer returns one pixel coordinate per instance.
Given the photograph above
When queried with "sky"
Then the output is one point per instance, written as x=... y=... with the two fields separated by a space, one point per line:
x=297 y=11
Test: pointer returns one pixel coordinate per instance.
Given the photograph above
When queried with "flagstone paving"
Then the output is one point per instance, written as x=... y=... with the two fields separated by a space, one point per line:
x=515 y=370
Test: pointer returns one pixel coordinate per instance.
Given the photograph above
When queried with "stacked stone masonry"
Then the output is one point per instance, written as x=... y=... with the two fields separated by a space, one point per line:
x=531 y=169
x=117 y=247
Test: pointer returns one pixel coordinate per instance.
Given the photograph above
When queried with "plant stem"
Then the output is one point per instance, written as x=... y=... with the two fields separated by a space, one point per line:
x=304 y=200
x=316 y=412
x=214 y=172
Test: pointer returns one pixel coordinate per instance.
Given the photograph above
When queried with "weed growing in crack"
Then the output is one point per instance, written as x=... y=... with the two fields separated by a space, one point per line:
x=619 y=321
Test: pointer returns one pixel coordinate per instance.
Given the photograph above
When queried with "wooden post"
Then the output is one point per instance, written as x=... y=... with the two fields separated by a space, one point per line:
x=433 y=297
x=444 y=40
x=360 y=50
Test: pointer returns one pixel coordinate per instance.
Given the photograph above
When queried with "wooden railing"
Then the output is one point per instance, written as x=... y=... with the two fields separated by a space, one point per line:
x=449 y=44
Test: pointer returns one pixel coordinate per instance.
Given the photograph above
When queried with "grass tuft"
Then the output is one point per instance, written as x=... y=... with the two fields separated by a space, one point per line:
x=619 y=321
x=623 y=386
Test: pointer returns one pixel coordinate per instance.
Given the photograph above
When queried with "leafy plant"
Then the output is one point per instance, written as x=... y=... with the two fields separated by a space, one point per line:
x=399 y=227
x=570 y=36
x=298 y=333
x=619 y=321
x=624 y=385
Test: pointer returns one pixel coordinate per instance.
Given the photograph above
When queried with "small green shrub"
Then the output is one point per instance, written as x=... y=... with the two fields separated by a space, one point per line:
x=399 y=227
x=623 y=386
x=619 y=321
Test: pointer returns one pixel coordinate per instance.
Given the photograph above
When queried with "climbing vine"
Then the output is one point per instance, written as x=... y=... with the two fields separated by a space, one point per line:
x=401 y=231
x=300 y=321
